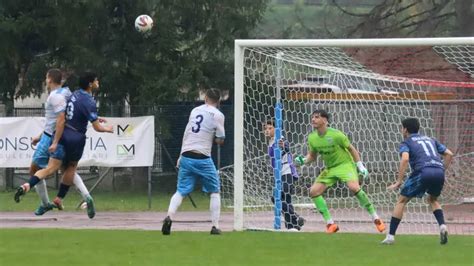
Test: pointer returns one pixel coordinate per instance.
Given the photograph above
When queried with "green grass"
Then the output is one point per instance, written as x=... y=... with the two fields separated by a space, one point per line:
x=107 y=247
x=106 y=201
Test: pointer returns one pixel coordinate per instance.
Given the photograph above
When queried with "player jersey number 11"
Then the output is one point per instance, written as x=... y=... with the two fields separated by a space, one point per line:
x=426 y=143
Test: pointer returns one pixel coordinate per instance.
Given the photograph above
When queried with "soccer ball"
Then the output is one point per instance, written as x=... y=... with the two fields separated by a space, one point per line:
x=84 y=205
x=143 y=23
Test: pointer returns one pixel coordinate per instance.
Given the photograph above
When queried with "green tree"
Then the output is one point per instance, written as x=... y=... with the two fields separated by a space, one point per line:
x=189 y=48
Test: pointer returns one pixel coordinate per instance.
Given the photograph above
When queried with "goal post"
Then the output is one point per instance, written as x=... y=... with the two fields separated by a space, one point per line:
x=368 y=86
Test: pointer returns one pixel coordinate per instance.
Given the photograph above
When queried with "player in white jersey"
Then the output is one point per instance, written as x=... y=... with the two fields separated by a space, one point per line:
x=205 y=125
x=55 y=104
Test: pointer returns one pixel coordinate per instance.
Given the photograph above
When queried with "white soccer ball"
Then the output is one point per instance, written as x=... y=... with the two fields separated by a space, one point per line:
x=143 y=23
x=84 y=205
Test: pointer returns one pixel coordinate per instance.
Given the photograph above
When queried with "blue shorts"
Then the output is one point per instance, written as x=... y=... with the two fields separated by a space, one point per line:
x=41 y=155
x=70 y=146
x=192 y=169
x=430 y=180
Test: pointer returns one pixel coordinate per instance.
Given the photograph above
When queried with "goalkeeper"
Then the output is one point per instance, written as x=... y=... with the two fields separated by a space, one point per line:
x=288 y=175
x=338 y=155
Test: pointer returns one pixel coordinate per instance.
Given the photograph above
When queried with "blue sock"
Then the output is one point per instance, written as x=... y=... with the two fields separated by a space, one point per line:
x=439 y=216
x=394 y=222
x=33 y=181
x=63 y=189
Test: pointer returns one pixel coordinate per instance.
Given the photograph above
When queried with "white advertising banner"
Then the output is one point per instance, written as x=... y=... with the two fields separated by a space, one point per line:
x=132 y=143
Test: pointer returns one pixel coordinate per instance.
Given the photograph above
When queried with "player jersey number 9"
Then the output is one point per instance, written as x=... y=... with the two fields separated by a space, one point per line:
x=199 y=119
x=69 y=111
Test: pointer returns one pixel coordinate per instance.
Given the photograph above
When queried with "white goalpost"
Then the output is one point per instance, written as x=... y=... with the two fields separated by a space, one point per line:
x=368 y=86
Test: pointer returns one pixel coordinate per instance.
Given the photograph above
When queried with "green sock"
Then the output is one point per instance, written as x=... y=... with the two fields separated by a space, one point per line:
x=322 y=207
x=365 y=202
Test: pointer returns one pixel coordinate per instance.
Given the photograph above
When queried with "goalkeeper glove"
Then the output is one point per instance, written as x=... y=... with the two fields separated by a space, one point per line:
x=362 y=170
x=300 y=160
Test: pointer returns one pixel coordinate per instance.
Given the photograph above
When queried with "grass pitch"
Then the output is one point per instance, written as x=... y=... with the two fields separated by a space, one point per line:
x=109 y=247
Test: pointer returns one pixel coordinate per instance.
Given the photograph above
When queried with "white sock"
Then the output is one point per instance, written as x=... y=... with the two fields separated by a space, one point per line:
x=443 y=227
x=330 y=221
x=42 y=191
x=215 y=208
x=374 y=216
x=175 y=202
x=80 y=185
x=389 y=236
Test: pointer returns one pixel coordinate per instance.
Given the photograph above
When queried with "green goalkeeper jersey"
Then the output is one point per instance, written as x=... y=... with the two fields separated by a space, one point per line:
x=332 y=146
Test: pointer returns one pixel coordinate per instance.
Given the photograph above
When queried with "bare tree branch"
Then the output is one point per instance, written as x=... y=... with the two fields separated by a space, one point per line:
x=398 y=11
x=351 y=13
x=396 y=26
x=424 y=21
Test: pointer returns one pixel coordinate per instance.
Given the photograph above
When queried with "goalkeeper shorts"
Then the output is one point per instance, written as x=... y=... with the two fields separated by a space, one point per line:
x=344 y=172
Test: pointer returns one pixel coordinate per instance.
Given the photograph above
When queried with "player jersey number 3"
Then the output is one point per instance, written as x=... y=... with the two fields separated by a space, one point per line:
x=197 y=127
x=69 y=111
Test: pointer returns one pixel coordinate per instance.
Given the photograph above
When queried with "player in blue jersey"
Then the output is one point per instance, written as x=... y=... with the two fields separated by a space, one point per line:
x=427 y=176
x=69 y=140
x=55 y=104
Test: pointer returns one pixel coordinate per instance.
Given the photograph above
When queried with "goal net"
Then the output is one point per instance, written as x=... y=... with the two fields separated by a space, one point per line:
x=368 y=87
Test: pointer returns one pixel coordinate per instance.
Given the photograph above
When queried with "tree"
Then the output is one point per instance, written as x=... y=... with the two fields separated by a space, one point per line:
x=190 y=47
x=427 y=18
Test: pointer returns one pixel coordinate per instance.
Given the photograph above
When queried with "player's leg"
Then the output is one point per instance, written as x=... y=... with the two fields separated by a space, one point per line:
x=396 y=219
x=207 y=171
x=411 y=188
x=215 y=209
x=45 y=205
x=79 y=183
x=72 y=143
x=291 y=217
x=77 y=180
x=347 y=173
x=284 y=208
x=433 y=180
x=53 y=166
x=186 y=182
x=365 y=202
x=40 y=160
x=66 y=183
x=42 y=191
x=316 y=191
x=438 y=213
